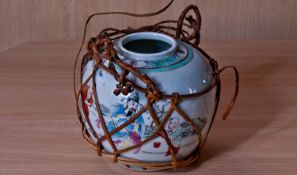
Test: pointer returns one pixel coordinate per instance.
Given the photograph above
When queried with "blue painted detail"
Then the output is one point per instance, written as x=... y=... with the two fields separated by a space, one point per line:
x=120 y=117
x=174 y=60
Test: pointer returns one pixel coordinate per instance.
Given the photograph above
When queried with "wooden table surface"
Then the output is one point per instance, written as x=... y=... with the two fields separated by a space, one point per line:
x=40 y=134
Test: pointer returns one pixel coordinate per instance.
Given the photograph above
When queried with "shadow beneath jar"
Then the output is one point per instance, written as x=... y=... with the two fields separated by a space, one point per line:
x=255 y=95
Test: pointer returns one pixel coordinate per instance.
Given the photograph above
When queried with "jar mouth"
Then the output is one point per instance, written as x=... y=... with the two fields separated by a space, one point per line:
x=146 y=46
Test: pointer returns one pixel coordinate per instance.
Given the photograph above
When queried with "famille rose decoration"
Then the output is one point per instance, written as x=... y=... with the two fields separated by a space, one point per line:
x=148 y=96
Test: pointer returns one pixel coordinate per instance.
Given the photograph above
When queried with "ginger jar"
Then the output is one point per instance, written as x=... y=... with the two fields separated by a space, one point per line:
x=175 y=67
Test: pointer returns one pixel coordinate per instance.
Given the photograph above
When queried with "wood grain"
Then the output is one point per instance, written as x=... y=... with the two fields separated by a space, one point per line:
x=222 y=20
x=39 y=132
x=35 y=20
x=63 y=20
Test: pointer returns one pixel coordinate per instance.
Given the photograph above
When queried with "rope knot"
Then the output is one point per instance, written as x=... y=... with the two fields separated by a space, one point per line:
x=123 y=86
x=91 y=44
x=175 y=98
x=98 y=61
x=152 y=94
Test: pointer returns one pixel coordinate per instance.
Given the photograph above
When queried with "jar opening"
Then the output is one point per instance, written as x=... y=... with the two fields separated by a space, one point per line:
x=146 y=46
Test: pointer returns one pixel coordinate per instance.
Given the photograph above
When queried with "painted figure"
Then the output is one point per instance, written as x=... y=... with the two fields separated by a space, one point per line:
x=132 y=133
x=160 y=108
x=174 y=131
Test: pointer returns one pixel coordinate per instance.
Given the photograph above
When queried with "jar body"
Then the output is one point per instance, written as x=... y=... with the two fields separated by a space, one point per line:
x=184 y=71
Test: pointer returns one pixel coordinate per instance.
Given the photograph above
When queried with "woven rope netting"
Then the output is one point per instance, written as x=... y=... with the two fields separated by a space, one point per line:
x=100 y=48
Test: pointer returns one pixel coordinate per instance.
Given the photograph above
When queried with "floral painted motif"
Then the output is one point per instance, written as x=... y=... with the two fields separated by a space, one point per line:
x=90 y=112
x=88 y=100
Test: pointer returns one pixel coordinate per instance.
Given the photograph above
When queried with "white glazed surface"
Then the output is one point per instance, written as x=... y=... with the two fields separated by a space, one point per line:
x=189 y=78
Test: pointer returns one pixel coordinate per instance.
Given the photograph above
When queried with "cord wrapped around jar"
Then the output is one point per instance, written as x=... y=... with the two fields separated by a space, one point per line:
x=128 y=102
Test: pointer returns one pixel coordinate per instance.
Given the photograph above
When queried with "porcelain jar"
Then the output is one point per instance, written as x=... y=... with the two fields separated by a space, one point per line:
x=174 y=66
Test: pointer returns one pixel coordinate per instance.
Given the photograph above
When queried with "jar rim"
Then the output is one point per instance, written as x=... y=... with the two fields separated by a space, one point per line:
x=147 y=56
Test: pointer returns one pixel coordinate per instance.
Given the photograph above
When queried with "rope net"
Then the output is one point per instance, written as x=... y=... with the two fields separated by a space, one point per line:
x=99 y=48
